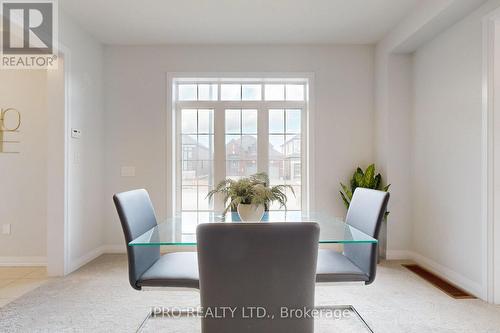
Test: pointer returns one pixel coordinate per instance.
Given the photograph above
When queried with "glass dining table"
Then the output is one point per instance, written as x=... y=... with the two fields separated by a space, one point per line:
x=181 y=229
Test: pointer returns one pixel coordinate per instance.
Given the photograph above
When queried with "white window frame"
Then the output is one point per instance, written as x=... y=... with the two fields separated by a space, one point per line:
x=173 y=123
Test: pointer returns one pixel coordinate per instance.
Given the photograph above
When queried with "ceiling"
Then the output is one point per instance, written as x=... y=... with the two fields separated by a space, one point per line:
x=133 y=22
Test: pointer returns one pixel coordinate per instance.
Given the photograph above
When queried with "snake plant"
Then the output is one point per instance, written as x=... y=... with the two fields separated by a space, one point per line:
x=360 y=178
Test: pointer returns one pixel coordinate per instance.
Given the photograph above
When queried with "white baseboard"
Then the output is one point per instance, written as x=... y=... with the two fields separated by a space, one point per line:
x=86 y=258
x=23 y=261
x=457 y=279
x=398 y=255
x=114 y=248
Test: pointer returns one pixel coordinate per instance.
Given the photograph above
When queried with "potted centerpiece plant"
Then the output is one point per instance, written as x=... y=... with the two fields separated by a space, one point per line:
x=250 y=196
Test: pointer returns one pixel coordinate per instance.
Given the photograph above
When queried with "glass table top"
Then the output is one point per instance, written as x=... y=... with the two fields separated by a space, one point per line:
x=181 y=230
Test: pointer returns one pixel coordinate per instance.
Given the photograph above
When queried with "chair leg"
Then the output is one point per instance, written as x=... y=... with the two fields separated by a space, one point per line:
x=347 y=307
x=161 y=311
x=139 y=329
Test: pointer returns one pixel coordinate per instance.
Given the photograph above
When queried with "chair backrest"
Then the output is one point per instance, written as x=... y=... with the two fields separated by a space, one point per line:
x=366 y=213
x=268 y=265
x=137 y=216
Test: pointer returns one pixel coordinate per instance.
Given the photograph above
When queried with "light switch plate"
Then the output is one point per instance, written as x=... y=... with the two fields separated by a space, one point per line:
x=6 y=229
x=128 y=171
x=76 y=133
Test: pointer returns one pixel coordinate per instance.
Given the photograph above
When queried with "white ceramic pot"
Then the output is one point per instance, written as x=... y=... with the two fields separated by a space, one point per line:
x=250 y=213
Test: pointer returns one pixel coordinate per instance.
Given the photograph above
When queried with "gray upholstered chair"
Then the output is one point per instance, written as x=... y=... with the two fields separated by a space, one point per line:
x=147 y=268
x=358 y=262
x=271 y=265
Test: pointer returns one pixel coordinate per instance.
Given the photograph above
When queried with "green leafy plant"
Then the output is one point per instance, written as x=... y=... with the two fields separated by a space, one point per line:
x=366 y=179
x=250 y=190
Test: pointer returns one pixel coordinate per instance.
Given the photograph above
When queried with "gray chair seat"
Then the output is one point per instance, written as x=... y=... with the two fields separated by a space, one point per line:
x=178 y=269
x=335 y=267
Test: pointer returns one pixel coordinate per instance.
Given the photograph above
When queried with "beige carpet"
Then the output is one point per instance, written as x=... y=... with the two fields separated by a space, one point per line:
x=97 y=298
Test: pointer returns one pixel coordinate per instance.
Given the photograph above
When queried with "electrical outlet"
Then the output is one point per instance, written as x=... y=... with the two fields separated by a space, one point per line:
x=6 y=229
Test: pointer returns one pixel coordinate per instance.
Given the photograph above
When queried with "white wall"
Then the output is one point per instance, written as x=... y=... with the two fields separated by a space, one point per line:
x=136 y=126
x=56 y=171
x=399 y=153
x=447 y=151
x=394 y=107
x=392 y=145
x=23 y=176
x=83 y=60
x=27 y=199
x=428 y=102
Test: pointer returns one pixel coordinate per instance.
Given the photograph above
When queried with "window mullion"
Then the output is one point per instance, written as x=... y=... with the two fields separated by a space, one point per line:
x=219 y=152
x=263 y=140
x=304 y=151
x=178 y=159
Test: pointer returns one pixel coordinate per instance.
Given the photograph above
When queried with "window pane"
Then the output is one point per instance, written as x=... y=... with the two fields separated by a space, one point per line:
x=294 y=92
x=189 y=198
x=276 y=121
x=238 y=169
x=295 y=172
x=275 y=92
x=205 y=147
x=189 y=173
x=188 y=120
x=276 y=169
x=189 y=148
x=248 y=147
x=205 y=173
x=292 y=145
x=203 y=202
x=233 y=121
x=241 y=147
x=233 y=147
x=207 y=92
x=251 y=92
x=291 y=174
x=294 y=201
x=205 y=121
x=249 y=121
x=230 y=92
x=276 y=145
x=248 y=167
x=187 y=92
x=196 y=148
x=233 y=169
x=293 y=120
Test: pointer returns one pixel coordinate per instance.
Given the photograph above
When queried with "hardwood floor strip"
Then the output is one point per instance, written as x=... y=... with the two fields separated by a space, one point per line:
x=438 y=282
